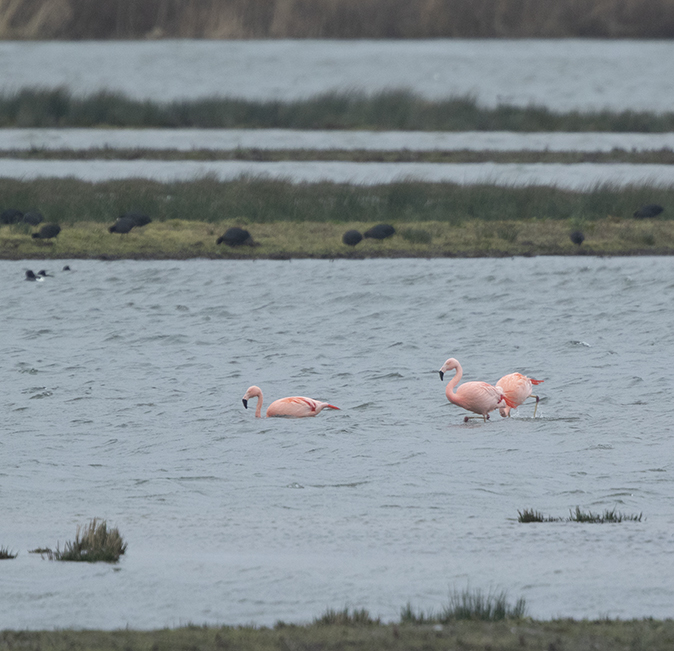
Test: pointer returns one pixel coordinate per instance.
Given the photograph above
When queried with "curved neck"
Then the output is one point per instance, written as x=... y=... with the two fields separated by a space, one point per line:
x=258 y=409
x=454 y=381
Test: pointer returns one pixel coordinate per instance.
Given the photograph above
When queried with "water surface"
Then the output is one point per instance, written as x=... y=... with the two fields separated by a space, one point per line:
x=122 y=400
x=562 y=74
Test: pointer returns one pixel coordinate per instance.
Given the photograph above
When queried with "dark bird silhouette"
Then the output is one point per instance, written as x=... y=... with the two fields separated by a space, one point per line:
x=577 y=237
x=66 y=268
x=31 y=276
x=351 y=238
x=122 y=225
x=235 y=237
x=138 y=218
x=43 y=273
x=380 y=231
x=34 y=217
x=47 y=232
x=10 y=216
x=648 y=211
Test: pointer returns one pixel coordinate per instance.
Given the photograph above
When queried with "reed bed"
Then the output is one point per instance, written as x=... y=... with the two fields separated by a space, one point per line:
x=84 y=19
x=93 y=543
x=385 y=110
x=6 y=554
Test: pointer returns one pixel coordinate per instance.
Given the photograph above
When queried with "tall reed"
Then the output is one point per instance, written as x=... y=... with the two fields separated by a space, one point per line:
x=87 y=19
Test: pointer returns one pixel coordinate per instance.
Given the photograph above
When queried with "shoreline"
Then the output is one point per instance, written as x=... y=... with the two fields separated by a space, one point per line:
x=186 y=239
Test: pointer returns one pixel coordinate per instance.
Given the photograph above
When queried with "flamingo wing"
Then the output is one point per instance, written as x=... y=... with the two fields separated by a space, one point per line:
x=297 y=407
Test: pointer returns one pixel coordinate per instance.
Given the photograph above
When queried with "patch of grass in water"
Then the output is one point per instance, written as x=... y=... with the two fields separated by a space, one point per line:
x=93 y=543
x=577 y=515
x=6 y=554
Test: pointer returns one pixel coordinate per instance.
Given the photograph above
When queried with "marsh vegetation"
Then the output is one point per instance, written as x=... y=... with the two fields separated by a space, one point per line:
x=578 y=515
x=93 y=543
x=308 y=220
x=385 y=110
x=118 y=19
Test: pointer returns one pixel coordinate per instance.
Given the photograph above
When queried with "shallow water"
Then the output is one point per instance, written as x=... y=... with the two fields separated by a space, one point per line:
x=214 y=139
x=581 y=176
x=562 y=74
x=122 y=400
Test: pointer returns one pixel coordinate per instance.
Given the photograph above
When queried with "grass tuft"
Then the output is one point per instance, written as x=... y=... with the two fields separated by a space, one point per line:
x=93 y=543
x=5 y=554
x=609 y=515
x=345 y=617
x=476 y=605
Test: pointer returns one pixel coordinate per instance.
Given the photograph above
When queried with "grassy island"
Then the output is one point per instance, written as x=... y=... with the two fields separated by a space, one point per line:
x=288 y=220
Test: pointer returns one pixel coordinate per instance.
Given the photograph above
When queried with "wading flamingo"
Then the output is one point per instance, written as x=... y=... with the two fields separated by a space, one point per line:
x=295 y=407
x=516 y=389
x=479 y=397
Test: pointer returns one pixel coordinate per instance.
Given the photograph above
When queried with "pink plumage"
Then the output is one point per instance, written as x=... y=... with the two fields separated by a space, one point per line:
x=478 y=397
x=293 y=407
x=516 y=389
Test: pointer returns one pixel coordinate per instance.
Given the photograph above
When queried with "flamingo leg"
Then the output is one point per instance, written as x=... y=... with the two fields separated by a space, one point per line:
x=467 y=418
x=536 y=407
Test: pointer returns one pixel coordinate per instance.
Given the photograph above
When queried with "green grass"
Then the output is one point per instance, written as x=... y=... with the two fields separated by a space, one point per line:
x=6 y=554
x=464 y=635
x=93 y=543
x=386 y=110
x=577 y=515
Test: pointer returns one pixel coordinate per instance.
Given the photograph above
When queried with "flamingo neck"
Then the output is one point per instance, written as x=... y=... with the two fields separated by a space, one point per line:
x=453 y=382
x=258 y=409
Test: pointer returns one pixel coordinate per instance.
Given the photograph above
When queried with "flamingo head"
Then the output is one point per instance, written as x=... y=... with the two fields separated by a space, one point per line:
x=252 y=392
x=449 y=365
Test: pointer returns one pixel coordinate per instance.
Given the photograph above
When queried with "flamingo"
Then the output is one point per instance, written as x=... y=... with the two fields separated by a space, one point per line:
x=478 y=397
x=516 y=389
x=295 y=407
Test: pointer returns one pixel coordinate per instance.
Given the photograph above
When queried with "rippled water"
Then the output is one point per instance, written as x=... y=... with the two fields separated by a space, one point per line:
x=563 y=74
x=122 y=400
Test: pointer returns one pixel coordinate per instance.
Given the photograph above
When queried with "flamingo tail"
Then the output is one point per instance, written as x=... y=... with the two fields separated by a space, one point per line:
x=536 y=381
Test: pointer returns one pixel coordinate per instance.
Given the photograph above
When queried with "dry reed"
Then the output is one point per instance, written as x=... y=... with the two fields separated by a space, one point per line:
x=91 y=19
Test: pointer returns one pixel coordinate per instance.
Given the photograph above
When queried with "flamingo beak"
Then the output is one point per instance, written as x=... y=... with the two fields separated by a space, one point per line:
x=442 y=375
x=245 y=403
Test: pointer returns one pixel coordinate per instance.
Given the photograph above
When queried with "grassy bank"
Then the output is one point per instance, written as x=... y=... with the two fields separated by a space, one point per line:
x=556 y=635
x=654 y=157
x=308 y=220
x=181 y=239
x=83 y=19
x=387 y=110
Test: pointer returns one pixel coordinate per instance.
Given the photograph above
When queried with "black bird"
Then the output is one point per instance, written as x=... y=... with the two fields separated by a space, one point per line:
x=577 y=237
x=351 y=238
x=34 y=217
x=42 y=273
x=47 y=232
x=31 y=276
x=66 y=268
x=380 y=231
x=122 y=225
x=235 y=236
x=138 y=218
x=10 y=216
x=647 y=211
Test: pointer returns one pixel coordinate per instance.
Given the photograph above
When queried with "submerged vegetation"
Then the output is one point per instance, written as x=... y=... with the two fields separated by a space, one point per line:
x=577 y=515
x=93 y=543
x=385 y=110
x=6 y=554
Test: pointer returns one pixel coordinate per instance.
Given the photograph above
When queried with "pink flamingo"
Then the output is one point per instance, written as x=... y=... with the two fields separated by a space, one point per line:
x=479 y=397
x=295 y=407
x=516 y=389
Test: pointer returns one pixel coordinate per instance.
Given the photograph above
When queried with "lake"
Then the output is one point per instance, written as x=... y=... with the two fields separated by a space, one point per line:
x=562 y=74
x=122 y=400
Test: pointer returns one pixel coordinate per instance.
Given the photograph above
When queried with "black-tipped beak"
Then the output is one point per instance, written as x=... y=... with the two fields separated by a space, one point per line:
x=442 y=375
x=245 y=403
